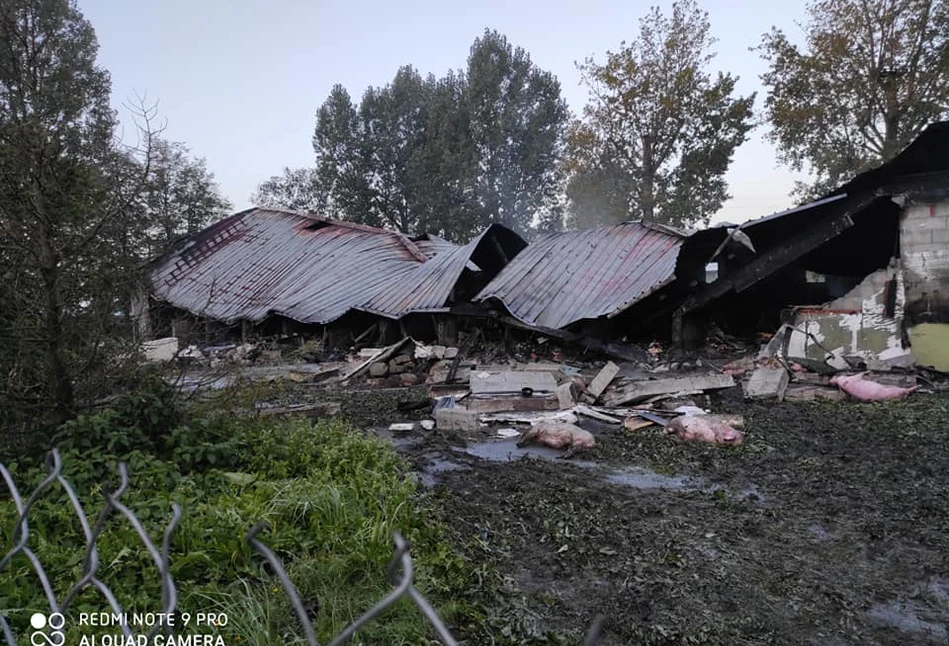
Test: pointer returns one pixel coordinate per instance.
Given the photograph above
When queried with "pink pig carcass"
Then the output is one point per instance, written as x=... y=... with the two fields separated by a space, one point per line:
x=705 y=428
x=558 y=435
x=869 y=391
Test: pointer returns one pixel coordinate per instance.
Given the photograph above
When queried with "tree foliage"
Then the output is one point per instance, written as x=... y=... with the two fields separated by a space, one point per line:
x=441 y=155
x=871 y=74
x=659 y=131
x=58 y=209
x=516 y=123
x=180 y=195
x=297 y=189
x=342 y=164
x=79 y=213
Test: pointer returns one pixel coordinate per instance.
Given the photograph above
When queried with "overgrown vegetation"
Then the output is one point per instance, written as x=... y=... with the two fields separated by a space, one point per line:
x=331 y=495
x=80 y=213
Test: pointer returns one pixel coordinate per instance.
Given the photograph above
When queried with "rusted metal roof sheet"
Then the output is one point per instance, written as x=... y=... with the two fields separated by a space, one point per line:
x=261 y=262
x=563 y=278
x=429 y=286
x=431 y=245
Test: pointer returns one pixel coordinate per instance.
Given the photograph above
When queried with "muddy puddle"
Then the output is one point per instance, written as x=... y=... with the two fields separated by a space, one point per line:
x=507 y=451
x=905 y=617
x=433 y=468
x=814 y=531
x=639 y=478
x=634 y=477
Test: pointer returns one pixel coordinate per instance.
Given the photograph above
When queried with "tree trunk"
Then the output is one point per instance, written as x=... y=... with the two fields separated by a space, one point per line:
x=647 y=189
x=59 y=383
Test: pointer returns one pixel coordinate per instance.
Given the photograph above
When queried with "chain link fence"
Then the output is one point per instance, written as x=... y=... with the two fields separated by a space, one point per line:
x=401 y=569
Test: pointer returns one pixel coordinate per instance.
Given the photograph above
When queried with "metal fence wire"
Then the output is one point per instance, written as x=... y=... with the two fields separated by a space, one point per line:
x=400 y=570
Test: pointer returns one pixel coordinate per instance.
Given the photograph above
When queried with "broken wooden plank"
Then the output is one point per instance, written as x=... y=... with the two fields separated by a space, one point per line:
x=637 y=423
x=381 y=355
x=485 y=383
x=801 y=391
x=303 y=376
x=661 y=420
x=622 y=412
x=597 y=415
x=531 y=418
x=565 y=395
x=642 y=390
x=499 y=403
x=603 y=378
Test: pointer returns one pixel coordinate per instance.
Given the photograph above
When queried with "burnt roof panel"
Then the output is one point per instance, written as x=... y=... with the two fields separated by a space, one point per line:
x=563 y=278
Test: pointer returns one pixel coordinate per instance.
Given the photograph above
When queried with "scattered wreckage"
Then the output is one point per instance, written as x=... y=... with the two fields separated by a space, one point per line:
x=846 y=294
x=480 y=393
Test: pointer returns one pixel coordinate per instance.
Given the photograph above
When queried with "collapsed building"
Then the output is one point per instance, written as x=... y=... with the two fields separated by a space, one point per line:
x=282 y=271
x=861 y=275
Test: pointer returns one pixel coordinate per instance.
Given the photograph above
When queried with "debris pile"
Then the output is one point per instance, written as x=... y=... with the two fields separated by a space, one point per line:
x=553 y=400
x=536 y=391
x=777 y=373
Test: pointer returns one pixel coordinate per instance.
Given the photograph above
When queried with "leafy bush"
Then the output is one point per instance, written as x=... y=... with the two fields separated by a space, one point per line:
x=331 y=495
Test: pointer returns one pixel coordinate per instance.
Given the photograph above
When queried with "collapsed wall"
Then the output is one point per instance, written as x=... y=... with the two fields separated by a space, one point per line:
x=866 y=323
x=924 y=231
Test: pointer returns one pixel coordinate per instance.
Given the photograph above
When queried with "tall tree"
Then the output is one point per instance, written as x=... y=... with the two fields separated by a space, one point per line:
x=180 y=196
x=517 y=119
x=395 y=119
x=446 y=156
x=659 y=131
x=342 y=159
x=67 y=194
x=870 y=75
x=447 y=165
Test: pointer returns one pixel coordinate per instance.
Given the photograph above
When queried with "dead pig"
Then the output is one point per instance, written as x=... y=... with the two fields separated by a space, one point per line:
x=705 y=428
x=558 y=435
x=869 y=391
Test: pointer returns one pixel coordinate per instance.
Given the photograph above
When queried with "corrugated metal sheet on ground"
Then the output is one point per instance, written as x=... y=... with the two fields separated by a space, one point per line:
x=563 y=278
x=261 y=262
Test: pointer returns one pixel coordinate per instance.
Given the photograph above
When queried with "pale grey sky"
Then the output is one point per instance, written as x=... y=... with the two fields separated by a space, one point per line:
x=239 y=81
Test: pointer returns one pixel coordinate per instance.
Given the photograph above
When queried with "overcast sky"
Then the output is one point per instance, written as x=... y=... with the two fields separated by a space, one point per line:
x=239 y=81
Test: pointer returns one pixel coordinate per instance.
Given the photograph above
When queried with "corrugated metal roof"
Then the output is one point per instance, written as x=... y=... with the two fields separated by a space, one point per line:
x=429 y=285
x=431 y=245
x=261 y=262
x=563 y=278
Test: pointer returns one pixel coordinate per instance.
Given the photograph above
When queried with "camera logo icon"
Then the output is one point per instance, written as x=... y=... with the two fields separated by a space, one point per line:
x=54 y=635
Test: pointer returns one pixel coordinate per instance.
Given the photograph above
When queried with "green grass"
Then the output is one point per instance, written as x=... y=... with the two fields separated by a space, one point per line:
x=331 y=496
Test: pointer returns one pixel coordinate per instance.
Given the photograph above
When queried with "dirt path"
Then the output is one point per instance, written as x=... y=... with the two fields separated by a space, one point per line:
x=829 y=526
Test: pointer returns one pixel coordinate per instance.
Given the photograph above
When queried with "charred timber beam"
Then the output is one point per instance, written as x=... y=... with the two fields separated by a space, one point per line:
x=776 y=259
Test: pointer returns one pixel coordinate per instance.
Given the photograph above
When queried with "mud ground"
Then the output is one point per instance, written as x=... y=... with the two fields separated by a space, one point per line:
x=829 y=526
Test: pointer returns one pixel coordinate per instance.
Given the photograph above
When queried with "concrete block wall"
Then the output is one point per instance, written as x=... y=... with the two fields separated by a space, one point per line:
x=924 y=250
x=868 y=297
x=924 y=246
